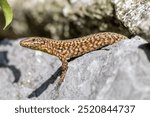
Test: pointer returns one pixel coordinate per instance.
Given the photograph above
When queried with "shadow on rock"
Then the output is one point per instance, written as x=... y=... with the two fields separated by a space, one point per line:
x=4 y=64
x=146 y=48
x=45 y=85
x=5 y=42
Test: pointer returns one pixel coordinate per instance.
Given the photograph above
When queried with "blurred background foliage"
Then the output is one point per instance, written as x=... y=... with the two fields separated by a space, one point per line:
x=60 y=19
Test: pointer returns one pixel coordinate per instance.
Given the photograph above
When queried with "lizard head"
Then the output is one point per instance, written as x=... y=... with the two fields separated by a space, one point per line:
x=35 y=43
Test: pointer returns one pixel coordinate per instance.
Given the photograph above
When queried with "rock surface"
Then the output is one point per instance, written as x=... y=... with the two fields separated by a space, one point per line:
x=119 y=71
x=135 y=14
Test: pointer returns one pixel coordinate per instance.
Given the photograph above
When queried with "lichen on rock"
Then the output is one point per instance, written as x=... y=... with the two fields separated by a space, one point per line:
x=135 y=14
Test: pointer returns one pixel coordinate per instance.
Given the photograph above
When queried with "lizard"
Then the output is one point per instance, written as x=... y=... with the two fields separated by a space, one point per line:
x=67 y=49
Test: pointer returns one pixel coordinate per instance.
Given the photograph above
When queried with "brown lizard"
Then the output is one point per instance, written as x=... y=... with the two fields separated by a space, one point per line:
x=67 y=49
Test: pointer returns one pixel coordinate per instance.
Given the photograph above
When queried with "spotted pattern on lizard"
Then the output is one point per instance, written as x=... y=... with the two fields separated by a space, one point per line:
x=67 y=49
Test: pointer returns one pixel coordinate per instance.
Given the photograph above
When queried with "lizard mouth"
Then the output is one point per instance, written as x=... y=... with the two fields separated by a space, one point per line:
x=28 y=44
x=23 y=43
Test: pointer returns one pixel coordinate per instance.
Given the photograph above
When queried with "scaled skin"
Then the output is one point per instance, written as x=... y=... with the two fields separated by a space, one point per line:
x=67 y=49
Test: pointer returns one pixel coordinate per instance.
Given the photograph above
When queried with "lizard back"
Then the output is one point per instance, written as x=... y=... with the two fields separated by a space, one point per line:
x=79 y=46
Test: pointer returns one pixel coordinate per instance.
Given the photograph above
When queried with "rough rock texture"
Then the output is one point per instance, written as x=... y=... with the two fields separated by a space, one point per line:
x=119 y=71
x=135 y=14
x=62 y=18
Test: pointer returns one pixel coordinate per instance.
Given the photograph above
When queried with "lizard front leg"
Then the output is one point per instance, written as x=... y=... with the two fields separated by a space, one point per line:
x=64 y=69
x=63 y=58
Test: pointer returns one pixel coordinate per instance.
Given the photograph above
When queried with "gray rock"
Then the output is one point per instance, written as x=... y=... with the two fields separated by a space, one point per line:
x=119 y=71
x=135 y=14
